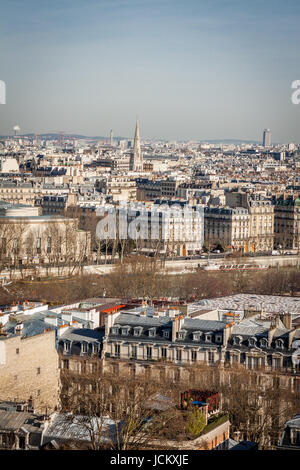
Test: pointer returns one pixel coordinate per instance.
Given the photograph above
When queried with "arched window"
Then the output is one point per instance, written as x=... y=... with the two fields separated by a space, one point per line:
x=279 y=344
x=252 y=341
x=263 y=343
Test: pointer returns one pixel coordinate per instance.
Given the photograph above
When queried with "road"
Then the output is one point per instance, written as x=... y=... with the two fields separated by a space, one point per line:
x=170 y=266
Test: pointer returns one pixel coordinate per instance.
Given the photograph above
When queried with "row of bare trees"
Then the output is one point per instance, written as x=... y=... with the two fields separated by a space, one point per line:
x=55 y=244
x=143 y=277
x=258 y=404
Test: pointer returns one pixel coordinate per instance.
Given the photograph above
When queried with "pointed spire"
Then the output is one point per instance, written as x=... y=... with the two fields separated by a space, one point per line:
x=137 y=136
x=137 y=159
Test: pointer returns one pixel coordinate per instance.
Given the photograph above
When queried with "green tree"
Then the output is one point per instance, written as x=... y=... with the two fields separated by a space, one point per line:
x=196 y=423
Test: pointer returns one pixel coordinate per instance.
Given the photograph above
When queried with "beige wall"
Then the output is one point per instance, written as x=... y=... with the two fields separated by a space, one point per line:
x=19 y=372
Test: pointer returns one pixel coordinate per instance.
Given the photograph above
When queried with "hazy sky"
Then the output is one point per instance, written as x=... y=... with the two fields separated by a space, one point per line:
x=189 y=69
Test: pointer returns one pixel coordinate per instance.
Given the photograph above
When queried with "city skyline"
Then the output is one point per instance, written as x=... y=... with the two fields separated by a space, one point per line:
x=190 y=70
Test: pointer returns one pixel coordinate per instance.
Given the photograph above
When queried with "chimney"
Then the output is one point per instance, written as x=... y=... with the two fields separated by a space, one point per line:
x=174 y=328
x=271 y=334
x=292 y=334
x=287 y=320
x=176 y=325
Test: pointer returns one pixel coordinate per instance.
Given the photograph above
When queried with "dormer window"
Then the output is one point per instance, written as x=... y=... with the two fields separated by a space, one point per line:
x=67 y=347
x=95 y=348
x=152 y=332
x=219 y=338
x=263 y=343
x=137 y=331
x=279 y=344
x=252 y=341
x=208 y=337
x=196 y=335
x=125 y=330
x=84 y=347
x=181 y=334
x=115 y=329
x=166 y=333
x=237 y=340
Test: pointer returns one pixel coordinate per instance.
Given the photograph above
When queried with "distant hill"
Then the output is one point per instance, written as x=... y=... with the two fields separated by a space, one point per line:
x=55 y=136
x=232 y=141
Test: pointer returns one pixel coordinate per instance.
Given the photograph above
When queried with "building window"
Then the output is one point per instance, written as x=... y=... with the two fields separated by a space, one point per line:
x=208 y=338
x=211 y=357
x=178 y=355
x=84 y=348
x=17 y=351
x=194 y=356
x=134 y=352
x=117 y=350
x=263 y=343
x=38 y=245
x=279 y=344
x=235 y=358
x=255 y=362
x=277 y=363
x=65 y=363
x=164 y=353
x=149 y=352
x=196 y=336
x=181 y=334
x=38 y=371
x=67 y=347
x=49 y=245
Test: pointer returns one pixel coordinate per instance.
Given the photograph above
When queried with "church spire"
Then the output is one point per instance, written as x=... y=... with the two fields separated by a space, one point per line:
x=137 y=158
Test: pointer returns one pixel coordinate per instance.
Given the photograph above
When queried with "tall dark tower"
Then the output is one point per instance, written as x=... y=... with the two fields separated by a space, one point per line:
x=267 y=138
x=136 y=160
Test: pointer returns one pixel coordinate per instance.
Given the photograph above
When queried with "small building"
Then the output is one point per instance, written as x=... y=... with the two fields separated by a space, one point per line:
x=290 y=439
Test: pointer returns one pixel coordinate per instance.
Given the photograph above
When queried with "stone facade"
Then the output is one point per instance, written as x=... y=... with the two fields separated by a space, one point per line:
x=226 y=226
x=287 y=223
x=29 y=368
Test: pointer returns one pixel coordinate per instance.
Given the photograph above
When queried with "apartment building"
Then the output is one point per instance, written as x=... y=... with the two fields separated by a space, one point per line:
x=148 y=336
x=29 y=364
x=226 y=226
x=261 y=219
x=18 y=192
x=119 y=188
x=287 y=222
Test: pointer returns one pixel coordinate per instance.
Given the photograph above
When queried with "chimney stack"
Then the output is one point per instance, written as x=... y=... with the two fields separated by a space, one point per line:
x=287 y=320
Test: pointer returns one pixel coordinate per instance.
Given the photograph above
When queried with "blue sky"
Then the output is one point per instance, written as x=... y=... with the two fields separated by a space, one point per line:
x=204 y=69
